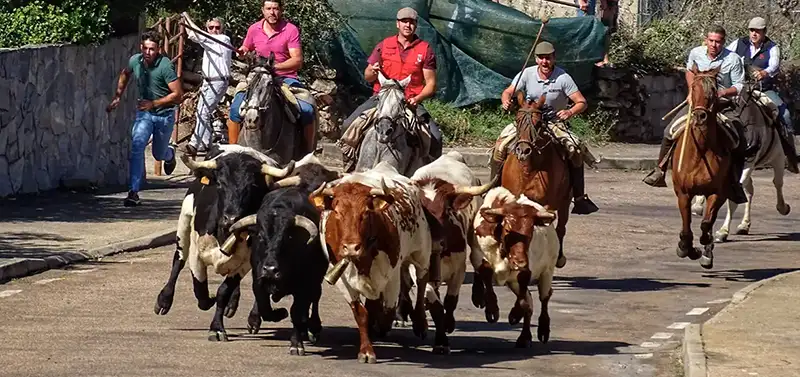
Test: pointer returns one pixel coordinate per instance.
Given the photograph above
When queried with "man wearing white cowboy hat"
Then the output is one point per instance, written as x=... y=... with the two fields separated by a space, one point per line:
x=763 y=55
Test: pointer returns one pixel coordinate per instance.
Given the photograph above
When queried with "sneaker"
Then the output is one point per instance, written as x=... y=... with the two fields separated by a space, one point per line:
x=132 y=200
x=169 y=165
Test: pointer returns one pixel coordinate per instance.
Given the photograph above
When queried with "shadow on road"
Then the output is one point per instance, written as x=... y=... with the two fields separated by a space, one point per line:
x=625 y=284
x=747 y=276
x=29 y=244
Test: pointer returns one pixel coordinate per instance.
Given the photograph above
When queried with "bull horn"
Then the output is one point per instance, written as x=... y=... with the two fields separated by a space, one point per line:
x=307 y=224
x=288 y=182
x=493 y=211
x=243 y=223
x=380 y=191
x=476 y=190
x=322 y=189
x=194 y=165
x=277 y=172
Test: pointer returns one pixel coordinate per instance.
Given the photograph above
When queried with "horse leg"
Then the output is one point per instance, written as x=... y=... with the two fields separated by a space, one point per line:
x=777 y=179
x=698 y=204
x=747 y=184
x=685 y=247
x=712 y=209
x=561 y=231
x=724 y=231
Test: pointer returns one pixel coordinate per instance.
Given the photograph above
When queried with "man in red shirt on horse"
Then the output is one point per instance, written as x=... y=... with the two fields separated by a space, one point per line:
x=398 y=57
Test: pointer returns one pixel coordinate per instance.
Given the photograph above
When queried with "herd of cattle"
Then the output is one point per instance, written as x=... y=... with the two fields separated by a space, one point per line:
x=375 y=234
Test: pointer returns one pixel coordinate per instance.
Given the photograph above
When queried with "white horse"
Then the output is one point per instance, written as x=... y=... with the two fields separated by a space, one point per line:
x=770 y=154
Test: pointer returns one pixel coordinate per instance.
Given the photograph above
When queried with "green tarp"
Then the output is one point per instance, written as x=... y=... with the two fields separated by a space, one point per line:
x=480 y=45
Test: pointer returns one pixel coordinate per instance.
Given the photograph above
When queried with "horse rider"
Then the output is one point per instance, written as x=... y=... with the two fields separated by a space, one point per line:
x=559 y=88
x=159 y=92
x=730 y=81
x=399 y=56
x=273 y=34
x=216 y=71
x=763 y=55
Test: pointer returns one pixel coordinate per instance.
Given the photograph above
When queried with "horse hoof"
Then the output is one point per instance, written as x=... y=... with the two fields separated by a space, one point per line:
x=721 y=237
x=682 y=253
x=561 y=262
x=785 y=210
x=706 y=262
x=743 y=231
x=695 y=253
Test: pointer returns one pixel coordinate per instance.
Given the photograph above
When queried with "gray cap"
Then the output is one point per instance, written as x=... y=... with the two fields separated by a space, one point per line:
x=544 y=48
x=757 y=23
x=407 y=12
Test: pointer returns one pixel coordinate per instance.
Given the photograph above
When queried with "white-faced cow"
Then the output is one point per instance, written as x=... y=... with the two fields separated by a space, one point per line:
x=515 y=244
x=372 y=226
x=286 y=254
x=230 y=185
x=451 y=196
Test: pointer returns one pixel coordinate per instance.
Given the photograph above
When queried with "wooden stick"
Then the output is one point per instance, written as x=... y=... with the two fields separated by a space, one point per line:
x=685 y=136
x=545 y=20
x=673 y=111
x=564 y=3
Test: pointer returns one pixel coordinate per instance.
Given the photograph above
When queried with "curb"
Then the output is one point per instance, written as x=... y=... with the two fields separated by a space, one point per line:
x=693 y=355
x=22 y=267
x=477 y=158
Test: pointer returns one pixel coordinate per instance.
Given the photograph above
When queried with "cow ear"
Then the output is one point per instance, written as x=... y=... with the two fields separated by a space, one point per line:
x=321 y=201
x=204 y=175
x=460 y=201
x=492 y=215
x=381 y=202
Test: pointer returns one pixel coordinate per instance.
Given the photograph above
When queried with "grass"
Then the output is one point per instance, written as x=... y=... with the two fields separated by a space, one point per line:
x=479 y=125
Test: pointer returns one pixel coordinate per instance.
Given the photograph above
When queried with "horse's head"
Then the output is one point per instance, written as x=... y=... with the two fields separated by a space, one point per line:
x=261 y=87
x=390 y=115
x=527 y=121
x=703 y=100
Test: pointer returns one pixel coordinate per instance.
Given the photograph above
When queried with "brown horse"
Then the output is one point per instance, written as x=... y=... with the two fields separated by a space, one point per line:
x=537 y=166
x=701 y=164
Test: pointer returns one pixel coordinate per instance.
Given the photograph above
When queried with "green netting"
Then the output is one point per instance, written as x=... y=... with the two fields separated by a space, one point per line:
x=480 y=45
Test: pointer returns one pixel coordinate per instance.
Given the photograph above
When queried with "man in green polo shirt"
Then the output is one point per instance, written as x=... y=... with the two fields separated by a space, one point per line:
x=159 y=92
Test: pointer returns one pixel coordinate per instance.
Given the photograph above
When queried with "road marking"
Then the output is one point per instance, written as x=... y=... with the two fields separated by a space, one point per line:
x=679 y=325
x=643 y=355
x=650 y=345
x=697 y=311
x=720 y=301
x=9 y=292
x=46 y=281
x=83 y=271
x=661 y=335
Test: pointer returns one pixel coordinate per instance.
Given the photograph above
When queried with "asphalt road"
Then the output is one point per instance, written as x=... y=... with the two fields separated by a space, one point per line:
x=618 y=308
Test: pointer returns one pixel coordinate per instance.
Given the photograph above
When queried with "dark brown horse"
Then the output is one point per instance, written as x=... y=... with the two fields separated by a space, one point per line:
x=701 y=164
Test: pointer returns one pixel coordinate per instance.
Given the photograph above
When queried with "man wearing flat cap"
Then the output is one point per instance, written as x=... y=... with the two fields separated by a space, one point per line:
x=558 y=87
x=398 y=57
x=763 y=56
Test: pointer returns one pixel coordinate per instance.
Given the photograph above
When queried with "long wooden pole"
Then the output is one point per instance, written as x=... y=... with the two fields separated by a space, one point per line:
x=545 y=20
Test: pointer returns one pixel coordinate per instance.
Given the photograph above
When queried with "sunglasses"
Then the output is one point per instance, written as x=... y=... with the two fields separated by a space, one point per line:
x=212 y=27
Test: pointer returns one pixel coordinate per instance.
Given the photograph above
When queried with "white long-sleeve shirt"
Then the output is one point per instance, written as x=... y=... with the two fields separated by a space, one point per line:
x=216 y=57
x=774 y=56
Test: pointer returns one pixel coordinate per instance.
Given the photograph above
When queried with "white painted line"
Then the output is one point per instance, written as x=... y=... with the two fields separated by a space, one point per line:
x=661 y=335
x=720 y=301
x=697 y=311
x=9 y=292
x=643 y=355
x=83 y=271
x=650 y=345
x=679 y=325
x=47 y=281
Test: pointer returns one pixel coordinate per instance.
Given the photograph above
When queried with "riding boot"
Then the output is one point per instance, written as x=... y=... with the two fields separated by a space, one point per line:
x=787 y=142
x=656 y=176
x=233 y=131
x=737 y=191
x=582 y=204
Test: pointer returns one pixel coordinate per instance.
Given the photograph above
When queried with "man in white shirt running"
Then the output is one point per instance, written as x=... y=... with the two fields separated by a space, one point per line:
x=216 y=70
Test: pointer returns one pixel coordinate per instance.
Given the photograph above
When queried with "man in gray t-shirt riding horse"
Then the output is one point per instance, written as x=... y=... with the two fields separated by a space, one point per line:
x=559 y=88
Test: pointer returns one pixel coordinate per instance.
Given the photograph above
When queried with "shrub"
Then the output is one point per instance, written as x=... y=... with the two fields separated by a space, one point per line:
x=37 y=22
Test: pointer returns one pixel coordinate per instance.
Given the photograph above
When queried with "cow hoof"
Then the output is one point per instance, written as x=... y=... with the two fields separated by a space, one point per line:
x=449 y=323
x=492 y=315
x=785 y=210
x=515 y=315
x=313 y=337
x=163 y=304
x=230 y=310
x=562 y=261
x=206 y=304
x=694 y=253
x=276 y=315
x=420 y=330
x=441 y=350
x=543 y=333
x=721 y=237
x=253 y=324
x=217 y=336
x=297 y=351
x=524 y=342
x=367 y=358
x=478 y=296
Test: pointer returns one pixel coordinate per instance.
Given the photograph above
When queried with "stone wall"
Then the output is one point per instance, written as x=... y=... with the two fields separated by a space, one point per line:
x=54 y=130
x=640 y=102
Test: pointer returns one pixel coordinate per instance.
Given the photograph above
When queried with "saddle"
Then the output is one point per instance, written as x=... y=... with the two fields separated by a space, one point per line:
x=290 y=96
x=679 y=124
x=570 y=145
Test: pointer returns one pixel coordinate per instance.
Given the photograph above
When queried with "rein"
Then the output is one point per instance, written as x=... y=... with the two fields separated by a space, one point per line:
x=535 y=134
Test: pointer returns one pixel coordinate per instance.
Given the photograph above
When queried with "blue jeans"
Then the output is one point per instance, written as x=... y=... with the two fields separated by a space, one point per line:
x=146 y=124
x=783 y=111
x=306 y=110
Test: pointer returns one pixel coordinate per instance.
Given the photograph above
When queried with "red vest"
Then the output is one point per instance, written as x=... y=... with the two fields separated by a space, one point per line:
x=395 y=68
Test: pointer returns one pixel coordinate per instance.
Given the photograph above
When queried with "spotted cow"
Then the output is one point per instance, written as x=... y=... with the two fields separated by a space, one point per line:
x=515 y=243
x=451 y=196
x=229 y=185
x=372 y=225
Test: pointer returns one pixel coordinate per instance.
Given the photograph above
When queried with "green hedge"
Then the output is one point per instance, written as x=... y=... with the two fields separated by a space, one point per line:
x=39 y=22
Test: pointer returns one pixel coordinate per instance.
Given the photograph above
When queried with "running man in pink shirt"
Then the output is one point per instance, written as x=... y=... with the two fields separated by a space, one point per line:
x=273 y=34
